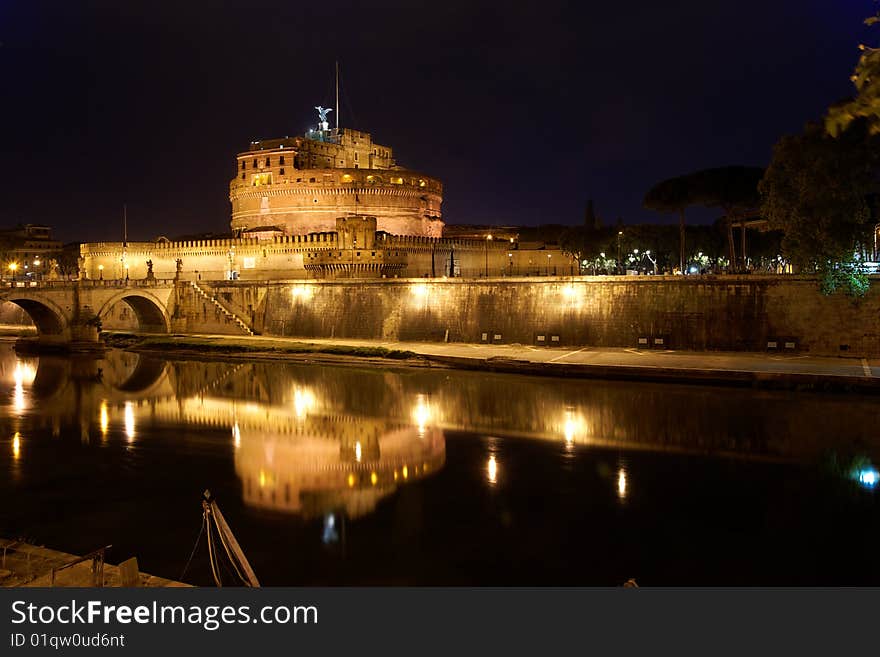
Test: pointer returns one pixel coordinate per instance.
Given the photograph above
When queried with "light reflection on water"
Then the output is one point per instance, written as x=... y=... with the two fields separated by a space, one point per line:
x=331 y=445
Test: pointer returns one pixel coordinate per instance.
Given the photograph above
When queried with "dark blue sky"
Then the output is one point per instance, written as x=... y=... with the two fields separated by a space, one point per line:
x=523 y=110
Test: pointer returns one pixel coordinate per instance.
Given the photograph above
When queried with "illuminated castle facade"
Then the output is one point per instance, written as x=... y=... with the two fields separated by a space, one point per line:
x=329 y=204
x=301 y=185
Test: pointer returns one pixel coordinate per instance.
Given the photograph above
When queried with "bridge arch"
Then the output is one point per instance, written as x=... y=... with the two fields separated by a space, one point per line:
x=150 y=312
x=46 y=315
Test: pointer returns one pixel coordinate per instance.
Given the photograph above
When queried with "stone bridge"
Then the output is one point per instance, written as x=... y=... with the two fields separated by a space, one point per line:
x=69 y=313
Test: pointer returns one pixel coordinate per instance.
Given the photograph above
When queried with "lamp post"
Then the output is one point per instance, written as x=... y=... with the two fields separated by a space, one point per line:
x=549 y=255
x=101 y=272
x=653 y=261
x=488 y=239
x=619 y=237
x=510 y=264
x=12 y=267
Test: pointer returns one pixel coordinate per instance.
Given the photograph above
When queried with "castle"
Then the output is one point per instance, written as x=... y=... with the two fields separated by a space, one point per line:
x=329 y=204
x=300 y=185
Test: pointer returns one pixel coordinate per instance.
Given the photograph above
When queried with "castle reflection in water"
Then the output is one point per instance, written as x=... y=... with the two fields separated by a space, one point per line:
x=312 y=440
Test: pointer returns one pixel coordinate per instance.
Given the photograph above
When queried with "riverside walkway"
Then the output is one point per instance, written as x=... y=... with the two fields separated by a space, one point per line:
x=731 y=368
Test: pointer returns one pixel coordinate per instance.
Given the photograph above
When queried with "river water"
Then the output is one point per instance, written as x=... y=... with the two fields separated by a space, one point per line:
x=347 y=475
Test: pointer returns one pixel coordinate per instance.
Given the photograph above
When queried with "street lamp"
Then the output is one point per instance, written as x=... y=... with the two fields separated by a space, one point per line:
x=619 y=237
x=653 y=261
x=488 y=239
x=549 y=255
x=510 y=261
x=12 y=267
x=101 y=272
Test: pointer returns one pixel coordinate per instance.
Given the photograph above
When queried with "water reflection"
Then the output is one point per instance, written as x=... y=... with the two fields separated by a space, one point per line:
x=492 y=470
x=314 y=441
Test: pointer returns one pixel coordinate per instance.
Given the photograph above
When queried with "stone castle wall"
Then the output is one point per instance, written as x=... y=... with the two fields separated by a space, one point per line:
x=286 y=257
x=733 y=313
x=404 y=202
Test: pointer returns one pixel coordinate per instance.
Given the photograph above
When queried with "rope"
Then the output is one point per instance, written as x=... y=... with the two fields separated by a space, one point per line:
x=217 y=580
x=193 y=553
x=229 y=556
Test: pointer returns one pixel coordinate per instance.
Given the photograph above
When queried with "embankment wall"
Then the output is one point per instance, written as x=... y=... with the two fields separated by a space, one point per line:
x=735 y=313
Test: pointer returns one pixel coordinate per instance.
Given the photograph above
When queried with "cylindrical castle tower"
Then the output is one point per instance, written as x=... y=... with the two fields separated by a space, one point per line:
x=300 y=185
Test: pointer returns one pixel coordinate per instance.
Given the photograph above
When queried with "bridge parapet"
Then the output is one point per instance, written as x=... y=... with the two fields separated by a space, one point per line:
x=68 y=314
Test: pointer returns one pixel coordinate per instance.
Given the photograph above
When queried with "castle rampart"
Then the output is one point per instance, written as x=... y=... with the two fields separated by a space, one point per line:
x=282 y=257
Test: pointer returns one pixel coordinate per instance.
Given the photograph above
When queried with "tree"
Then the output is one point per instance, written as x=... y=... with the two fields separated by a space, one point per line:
x=584 y=242
x=734 y=189
x=866 y=103
x=672 y=195
x=818 y=190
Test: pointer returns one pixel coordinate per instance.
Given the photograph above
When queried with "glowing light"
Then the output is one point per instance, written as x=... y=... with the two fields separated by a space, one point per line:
x=104 y=417
x=18 y=398
x=303 y=402
x=129 y=420
x=358 y=452
x=374 y=478
x=419 y=290
x=572 y=426
x=22 y=375
x=571 y=295
x=621 y=483
x=422 y=414
x=262 y=479
x=37 y=262
x=492 y=470
x=302 y=292
x=351 y=480
x=405 y=472
x=869 y=477
x=236 y=435
x=16 y=445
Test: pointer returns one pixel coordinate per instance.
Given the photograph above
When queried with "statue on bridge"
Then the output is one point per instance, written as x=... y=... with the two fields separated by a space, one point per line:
x=150 y=276
x=81 y=268
x=54 y=273
x=179 y=264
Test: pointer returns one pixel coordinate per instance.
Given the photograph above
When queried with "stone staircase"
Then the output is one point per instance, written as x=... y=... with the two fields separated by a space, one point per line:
x=238 y=321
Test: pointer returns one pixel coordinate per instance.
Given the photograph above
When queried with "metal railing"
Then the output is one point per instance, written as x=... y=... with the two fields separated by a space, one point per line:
x=97 y=559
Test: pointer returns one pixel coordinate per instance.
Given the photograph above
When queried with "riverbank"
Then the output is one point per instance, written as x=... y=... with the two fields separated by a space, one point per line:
x=770 y=371
x=26 y=565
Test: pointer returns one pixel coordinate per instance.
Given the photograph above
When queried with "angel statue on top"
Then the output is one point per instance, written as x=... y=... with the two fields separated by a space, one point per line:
x=322 y=113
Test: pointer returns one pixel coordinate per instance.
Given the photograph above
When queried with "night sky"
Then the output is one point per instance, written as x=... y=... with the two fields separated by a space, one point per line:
x=524 y=111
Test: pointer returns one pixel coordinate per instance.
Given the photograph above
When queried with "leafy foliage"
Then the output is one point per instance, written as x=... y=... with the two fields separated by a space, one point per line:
x=866 y=103
x=848 y=277
x=817 y=190
x=731 y=188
